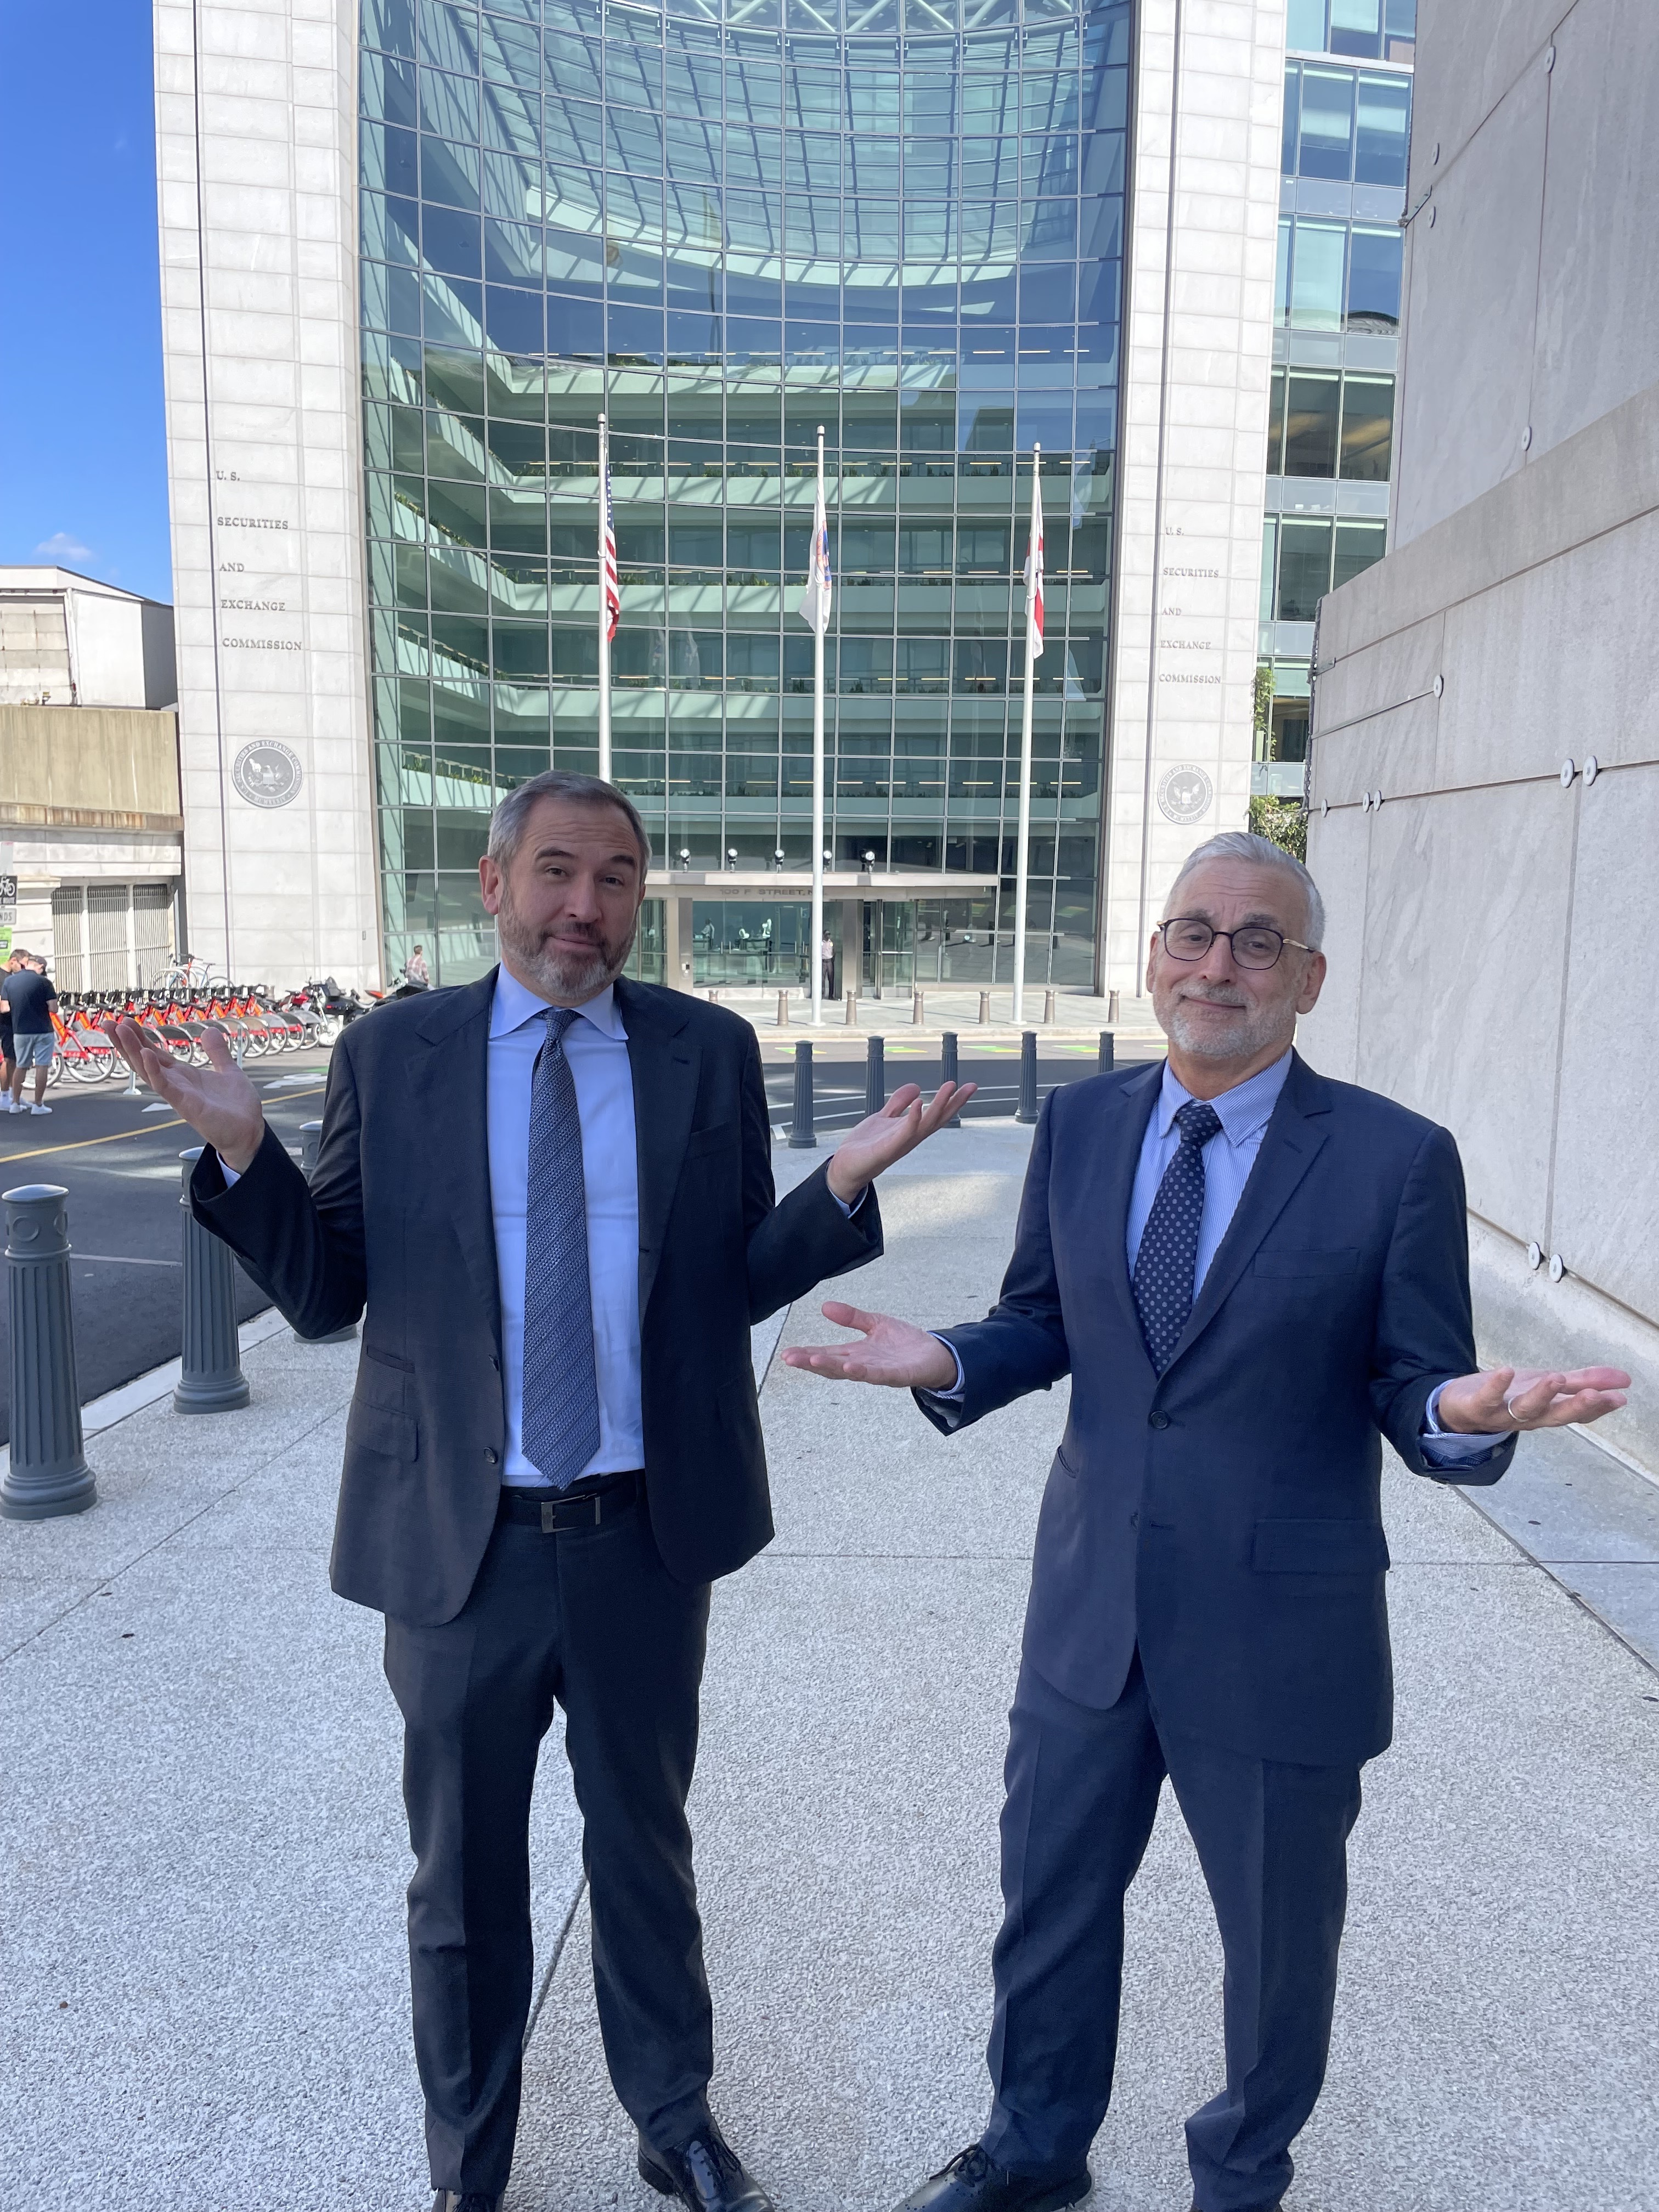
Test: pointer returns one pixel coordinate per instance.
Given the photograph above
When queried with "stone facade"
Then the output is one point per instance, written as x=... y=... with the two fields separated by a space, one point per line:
x=256 y=109
x=1204 y=215
x=1486 y=777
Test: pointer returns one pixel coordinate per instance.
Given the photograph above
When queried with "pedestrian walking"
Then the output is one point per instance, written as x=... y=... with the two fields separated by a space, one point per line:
x=8 y=1056
x=827 y=961
x=30 y=998
x=416 y=969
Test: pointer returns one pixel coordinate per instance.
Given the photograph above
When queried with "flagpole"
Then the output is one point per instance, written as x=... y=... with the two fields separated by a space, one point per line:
x=604 y=618
x=1023 y=861
x=818 y=628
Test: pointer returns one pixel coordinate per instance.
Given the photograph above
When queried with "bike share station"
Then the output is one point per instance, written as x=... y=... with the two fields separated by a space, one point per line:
x=752 y=926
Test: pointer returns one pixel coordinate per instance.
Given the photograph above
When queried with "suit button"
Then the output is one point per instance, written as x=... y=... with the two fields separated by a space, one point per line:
x=1158 y=1420
x=491 y=1455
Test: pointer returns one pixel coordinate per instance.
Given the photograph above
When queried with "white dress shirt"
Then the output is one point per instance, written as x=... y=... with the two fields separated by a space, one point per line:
x=596 y=1046
x=1244 y=1113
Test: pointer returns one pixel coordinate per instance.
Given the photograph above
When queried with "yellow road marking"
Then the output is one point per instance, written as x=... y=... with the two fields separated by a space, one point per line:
x=80 y=1143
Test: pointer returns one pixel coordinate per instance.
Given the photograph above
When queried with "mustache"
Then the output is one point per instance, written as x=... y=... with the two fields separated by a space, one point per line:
x=1218 y=995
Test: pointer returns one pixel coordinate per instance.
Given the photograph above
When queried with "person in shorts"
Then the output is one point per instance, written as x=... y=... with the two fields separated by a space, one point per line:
x=8 y=1063
x=30 y=998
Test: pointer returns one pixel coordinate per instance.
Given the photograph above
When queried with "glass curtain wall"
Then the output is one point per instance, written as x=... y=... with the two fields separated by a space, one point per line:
x=723 y=227
x=1330 y=435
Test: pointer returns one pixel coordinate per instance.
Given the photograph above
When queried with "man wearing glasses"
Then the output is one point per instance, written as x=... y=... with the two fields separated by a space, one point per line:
x=1253 y=1276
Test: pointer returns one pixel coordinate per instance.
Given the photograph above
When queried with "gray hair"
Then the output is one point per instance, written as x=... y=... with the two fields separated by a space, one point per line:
x=506 y=823
x=1258 y=852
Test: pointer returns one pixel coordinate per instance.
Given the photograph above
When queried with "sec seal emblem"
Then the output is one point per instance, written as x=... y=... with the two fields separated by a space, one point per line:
x=1184 y=793
x=267 y=773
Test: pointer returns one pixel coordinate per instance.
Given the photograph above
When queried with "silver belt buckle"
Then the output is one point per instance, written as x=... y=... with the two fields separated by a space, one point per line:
x=549 y=1523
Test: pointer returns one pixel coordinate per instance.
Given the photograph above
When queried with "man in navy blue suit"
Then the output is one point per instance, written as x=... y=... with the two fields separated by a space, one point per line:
x=1253 y=1276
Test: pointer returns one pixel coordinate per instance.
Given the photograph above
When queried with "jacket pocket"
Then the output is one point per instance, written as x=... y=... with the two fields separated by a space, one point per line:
x=1065 y=1465
x=378 y=1429
x=718 y=1138
x=388 y=1359
x=1342 y=1262
x=1319 y=1548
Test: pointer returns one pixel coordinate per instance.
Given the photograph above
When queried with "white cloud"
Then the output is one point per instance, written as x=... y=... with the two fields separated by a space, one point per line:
x=63 y=551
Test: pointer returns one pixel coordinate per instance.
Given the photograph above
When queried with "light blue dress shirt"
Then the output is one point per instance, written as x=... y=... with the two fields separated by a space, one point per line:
x=1244 y=1113
x=596 y=1046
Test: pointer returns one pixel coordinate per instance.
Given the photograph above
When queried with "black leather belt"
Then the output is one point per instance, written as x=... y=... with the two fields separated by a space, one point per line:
x=585 y=1506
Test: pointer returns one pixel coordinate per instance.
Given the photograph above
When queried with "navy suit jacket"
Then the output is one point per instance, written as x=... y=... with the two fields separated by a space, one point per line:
x=1225 y=1515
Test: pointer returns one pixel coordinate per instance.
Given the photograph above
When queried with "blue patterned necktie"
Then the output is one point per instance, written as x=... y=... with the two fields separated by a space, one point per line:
x=561 y=1407
x=1168 y=1258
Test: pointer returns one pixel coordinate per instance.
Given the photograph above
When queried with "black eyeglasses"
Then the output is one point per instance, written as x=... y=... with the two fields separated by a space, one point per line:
x=1188 y=937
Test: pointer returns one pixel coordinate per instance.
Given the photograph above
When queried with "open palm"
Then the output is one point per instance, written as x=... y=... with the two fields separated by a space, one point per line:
x=889 y=1351
x=880 y=1139
x=218 y=1101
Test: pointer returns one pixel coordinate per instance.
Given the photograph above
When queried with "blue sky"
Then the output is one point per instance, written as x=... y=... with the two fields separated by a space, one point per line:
x=83 y=476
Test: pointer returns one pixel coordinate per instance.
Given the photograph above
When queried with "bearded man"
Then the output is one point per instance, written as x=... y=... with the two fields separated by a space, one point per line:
x=549 y=1194
x=1253 y=1276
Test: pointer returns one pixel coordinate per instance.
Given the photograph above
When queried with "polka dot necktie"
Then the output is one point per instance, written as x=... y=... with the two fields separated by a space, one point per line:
x=1168 y=1258
x=561 y=1407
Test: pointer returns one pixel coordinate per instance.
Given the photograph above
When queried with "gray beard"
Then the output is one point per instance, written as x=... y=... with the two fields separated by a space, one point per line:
x=1259 y=1031
x=566 y=976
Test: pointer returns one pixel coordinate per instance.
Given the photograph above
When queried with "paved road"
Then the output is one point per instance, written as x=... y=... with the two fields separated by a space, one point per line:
x=120 y=1166
x=119 y=1163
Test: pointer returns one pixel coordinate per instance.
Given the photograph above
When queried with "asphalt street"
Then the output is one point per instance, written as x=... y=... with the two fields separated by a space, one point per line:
x=117 y=1156
x=119 y=1163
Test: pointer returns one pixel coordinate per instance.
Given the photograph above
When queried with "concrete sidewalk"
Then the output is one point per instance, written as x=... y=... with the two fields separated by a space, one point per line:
x=202 y=1855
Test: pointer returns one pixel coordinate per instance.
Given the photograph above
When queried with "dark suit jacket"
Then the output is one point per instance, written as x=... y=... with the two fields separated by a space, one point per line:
x=1225 y=1515
x=395 y=1227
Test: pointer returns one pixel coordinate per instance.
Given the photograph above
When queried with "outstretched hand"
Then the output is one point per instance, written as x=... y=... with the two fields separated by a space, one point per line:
x=1508 y=1399
x=880 y=1139
x=219 y=1103
x=896 y=1353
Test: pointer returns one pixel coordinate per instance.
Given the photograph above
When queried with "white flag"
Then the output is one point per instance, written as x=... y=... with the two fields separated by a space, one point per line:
x=1034 y=570
x=815 y=599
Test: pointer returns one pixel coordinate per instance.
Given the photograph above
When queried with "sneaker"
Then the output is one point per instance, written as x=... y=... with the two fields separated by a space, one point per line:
x=39 y=1110
x=6 y=1105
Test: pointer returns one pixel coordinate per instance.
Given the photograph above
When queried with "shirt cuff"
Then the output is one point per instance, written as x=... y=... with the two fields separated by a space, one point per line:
x=849 y=1211
x=232 y=1175
x=1442 y=1449
x=953 y=1396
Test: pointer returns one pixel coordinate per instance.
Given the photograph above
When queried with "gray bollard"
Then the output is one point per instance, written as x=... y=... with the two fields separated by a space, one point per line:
x=1113 y=1013
x=851 y=1016
x=1108 y=1052
x=210 y=1377
x=48 y=1474
x=803 y=1137
x=1049 y=1000
x=311 y=1137
x=783 y=1010
x=875 y=1075
x=949 y=1071
x=1028 y=1082
x=984 y=1008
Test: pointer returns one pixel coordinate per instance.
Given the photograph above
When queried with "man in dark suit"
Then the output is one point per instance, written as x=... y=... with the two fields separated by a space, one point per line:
x=548 y=1193
x=1252 y=1276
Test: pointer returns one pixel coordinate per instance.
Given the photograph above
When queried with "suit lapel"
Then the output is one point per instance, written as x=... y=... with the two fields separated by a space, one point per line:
x=451 y=1090
x=1293 y=1139
x=665 y=1062
x=1128 y=1109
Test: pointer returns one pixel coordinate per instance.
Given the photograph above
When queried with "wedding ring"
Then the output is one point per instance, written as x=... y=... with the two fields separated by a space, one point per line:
x=1509 y=1407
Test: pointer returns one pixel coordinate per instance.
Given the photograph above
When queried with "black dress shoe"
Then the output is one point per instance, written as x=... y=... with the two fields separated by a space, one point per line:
x=975 y=2183
x=463 y=2200
x=706 y=2173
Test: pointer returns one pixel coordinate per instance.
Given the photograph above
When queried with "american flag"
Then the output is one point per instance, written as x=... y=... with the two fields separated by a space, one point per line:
x=610 y=582
x=1033 y=565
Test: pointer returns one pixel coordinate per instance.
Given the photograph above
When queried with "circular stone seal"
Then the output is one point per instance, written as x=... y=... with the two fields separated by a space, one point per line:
x=1184 y=793
x=267 y=773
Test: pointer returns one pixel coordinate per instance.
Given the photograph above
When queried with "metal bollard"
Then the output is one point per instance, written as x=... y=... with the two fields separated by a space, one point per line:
x=803 y=1137
x=210 y=1377
x=1114 y=1011
x=917 y=1016
x=1028 y=1082
x=984 y=1008
x=875 y=1075
x=783 y=1010
x=1049 y=1006
x=851 y=1016
x=311 y=1138
x=949 y=1071
x=1108 y=1053
x=48 y=1475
